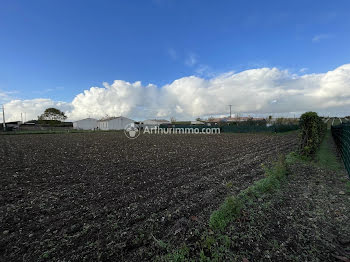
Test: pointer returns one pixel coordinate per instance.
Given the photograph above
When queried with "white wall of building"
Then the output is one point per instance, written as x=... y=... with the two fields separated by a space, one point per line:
x=117 y=123
x=86 y=124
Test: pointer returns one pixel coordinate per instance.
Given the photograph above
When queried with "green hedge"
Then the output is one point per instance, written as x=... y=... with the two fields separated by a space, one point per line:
x=312 y=132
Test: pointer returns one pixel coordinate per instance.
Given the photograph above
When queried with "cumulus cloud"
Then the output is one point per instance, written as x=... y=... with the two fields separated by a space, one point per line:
x=255 y=91
x=31 y=109
x=119 y=98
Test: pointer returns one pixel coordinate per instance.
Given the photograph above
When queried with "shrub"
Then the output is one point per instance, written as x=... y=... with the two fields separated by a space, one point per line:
x=312 y=132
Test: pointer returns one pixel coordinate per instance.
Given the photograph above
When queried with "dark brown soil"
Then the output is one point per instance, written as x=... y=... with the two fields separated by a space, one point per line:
x=102 y=197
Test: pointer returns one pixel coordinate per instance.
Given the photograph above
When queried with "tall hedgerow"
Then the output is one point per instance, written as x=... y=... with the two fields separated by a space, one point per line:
x=312 y=132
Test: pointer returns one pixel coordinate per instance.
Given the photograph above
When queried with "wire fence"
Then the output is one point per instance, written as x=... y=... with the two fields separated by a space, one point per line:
x=253 y=129
x=341 y=135
x=240 y=128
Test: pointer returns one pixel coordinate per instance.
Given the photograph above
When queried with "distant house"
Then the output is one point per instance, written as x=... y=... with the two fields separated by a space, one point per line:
x=151 y=123
x=86 y=124
x=114 y=123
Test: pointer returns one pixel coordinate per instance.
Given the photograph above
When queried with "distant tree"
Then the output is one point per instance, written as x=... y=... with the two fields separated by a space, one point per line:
x=198 y=119
x=280 y=121
x=52 y=114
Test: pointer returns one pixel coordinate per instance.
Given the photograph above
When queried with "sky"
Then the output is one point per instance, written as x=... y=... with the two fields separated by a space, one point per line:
x=167 y=58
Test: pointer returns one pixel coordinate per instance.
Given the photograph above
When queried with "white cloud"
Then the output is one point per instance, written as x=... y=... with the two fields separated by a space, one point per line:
x=31 y=109
x=318 y=38
x=204 y=70
x=255 y=91
x=191 y=60
x=5 y=96
x=120 y=98
x=172 y=53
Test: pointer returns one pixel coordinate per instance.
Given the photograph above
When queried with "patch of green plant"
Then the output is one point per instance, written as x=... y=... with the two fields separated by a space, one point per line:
x=230 y=209
x=294 y=157
x=214 y=244
x=179 y=255
x=203 y=257
x=208 y=242
x=325 y=156
x=46 y=255
x=347 y=187
x=229 y=184
x=232 y=206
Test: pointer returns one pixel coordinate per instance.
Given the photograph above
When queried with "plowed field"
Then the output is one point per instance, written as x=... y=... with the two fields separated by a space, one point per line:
x=102 y=197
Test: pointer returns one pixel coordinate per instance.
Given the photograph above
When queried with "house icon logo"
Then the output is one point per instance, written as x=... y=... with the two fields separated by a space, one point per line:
x=132 y=131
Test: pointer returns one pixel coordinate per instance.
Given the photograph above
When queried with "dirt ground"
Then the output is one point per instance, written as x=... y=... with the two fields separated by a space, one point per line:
x=102 y=197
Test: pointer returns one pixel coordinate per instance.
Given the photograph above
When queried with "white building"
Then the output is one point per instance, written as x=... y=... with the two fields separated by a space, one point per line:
x=114 y=123
x=151 y=123
x=86 y=124
x=197 y=123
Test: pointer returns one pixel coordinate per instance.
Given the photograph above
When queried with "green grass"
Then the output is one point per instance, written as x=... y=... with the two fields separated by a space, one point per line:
x=179 y=255
x=214 y=240
x=232 y=206
x=325 y=157
x=347 y=187
x=336 y=122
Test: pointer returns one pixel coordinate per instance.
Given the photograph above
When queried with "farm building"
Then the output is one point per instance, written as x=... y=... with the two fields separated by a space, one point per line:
x=86 y=124
x=114 y=123
x=151 y=123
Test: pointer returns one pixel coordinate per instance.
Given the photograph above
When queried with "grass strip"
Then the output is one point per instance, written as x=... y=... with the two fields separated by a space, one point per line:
x=325 y=156
x=233 y=205
x=231 y=209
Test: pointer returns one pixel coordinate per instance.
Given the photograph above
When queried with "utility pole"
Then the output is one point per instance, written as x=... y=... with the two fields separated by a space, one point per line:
x=3 y=118
x=230 y=111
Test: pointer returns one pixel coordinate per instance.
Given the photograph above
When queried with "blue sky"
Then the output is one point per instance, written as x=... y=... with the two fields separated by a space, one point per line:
x=58 y=49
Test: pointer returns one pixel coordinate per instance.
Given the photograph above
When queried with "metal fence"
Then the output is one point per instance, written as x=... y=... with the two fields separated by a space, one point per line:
x=341 y=135
x=240 y=128
x=254 y=129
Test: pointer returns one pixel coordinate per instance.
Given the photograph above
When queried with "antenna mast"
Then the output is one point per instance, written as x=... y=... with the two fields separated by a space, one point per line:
x=3 y=118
